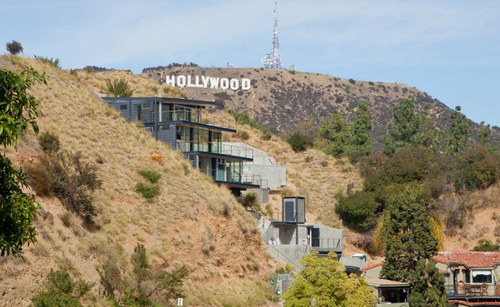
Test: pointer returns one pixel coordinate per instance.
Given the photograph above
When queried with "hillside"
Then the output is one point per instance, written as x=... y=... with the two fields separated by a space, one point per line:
x=190 y=214
x=193 y=221
x=282 y=100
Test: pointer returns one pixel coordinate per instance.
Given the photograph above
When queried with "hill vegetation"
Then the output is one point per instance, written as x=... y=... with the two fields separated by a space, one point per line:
x=284 y=101
x=151 y=212
x=189 y=213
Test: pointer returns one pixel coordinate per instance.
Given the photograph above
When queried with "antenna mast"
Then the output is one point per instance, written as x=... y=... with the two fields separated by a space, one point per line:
x=273 y=60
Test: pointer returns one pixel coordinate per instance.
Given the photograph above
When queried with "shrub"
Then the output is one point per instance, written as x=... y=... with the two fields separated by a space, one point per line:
x=249 y=200
x=207 y=244
x=358 y=210
x=66 y=175
x=244 y=119
x=266 y=135
x=150 y=175
x=61 y=290
x=477 y=169
x=51 y=61
x=14 y=47
x=119 y=88
x=299 y=142
x=243 y=135
x=147 y=190
x=49 y=142
x=352 y=81
x=486 y=246
x=399 y=170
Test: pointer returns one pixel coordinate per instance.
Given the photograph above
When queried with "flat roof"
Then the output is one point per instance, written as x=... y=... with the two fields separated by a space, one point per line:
x=229 y=158
x=385 y=283
x=179 y=101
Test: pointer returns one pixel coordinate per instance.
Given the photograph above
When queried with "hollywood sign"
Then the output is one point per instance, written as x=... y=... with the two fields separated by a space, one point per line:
x=208 y=82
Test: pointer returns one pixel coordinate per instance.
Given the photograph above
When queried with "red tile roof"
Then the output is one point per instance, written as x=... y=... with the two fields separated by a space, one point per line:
x=470 y=259
x=479 y=303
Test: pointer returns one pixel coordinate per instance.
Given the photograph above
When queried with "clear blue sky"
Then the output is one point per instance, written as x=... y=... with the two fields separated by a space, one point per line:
x=447 y=48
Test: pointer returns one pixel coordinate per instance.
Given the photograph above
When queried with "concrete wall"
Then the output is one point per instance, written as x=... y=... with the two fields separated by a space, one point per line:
x=274 y=175
x=374 y=272
x=263 y=165
x=289 y=253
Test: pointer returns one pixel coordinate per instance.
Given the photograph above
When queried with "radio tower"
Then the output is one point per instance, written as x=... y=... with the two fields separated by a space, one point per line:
x=273 y=60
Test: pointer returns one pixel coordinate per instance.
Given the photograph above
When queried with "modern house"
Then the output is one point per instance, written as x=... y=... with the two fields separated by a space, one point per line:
x=186 y=125
x=289 y=237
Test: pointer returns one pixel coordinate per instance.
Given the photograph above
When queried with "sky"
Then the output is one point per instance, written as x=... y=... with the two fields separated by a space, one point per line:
x=448 y=48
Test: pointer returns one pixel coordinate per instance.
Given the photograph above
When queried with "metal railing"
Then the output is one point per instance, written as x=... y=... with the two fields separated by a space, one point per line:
x=333 y=243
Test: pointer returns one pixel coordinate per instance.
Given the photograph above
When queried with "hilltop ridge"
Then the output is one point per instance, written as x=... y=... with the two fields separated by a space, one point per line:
x=283 y=100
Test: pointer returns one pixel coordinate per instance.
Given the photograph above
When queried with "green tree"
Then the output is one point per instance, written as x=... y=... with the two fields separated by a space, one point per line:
x=359 y=210
x=299 y=142
x=325 y=280
x=18 y=110
x=407 y=231
x=360 y=143
x=458 y=132
x=14 y=47
x=427 y=286
x=484 y=133
x=410 y=128
x=335 y=133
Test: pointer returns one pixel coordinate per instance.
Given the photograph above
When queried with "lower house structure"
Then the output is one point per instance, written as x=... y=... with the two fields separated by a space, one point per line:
x=289 y=237
x=185 y=125
x=389 y=292
x=471 y=278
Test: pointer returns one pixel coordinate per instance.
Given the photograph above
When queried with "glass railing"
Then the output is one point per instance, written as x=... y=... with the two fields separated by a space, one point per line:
x=199 y=117
x=224 y=149
x=233 y=177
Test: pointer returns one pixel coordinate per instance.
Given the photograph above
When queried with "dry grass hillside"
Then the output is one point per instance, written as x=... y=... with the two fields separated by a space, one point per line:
x=319 y=177
x=189 y=215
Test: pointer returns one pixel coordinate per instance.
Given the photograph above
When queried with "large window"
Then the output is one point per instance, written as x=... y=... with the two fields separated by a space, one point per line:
x=483 y=276
x=478 y=276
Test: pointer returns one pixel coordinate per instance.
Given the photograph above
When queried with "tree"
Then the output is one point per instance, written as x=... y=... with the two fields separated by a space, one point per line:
x=335 y=132
x=18 y=111
x=427 y=286
x=325 y=280
x=410 y=128
x=458 y=132
x=407 y=231
x=360 y=143
x=14 y=47
x=484 y=133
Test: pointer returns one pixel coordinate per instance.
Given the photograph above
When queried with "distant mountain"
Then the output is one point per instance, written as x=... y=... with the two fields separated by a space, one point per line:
x=281 y=100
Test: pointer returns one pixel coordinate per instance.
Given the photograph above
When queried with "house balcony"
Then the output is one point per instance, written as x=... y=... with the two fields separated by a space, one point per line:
x=230 y=152
x=195 y=117
x=473 y=289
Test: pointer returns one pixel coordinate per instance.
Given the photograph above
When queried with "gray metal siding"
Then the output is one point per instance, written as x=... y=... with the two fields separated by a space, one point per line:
x=167 y=135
